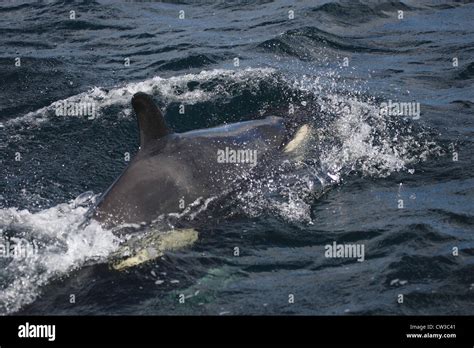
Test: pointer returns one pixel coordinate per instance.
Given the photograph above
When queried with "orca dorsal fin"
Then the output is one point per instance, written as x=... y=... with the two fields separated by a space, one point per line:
x=151 y=122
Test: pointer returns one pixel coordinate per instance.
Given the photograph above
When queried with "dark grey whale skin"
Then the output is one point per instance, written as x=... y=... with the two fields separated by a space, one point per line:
x=170 y=167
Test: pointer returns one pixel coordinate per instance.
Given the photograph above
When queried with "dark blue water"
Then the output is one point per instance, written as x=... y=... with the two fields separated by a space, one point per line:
x=336 y=61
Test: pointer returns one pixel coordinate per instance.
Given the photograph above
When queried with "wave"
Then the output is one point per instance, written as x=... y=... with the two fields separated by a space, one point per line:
x=13 y=8
x=60 y=246
x=356 y=12
x=188 y=62
x=453 y=218
x=74 y=25
x=466 y=73
x=307 y=43
x=34 y=44
x=173 y=89
x=176 y=47
x=463 y=103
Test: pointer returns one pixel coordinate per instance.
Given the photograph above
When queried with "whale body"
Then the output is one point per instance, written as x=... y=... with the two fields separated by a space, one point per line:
x=172 y=169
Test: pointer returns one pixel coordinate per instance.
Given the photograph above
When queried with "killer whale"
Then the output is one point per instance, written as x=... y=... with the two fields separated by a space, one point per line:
x=175 y=168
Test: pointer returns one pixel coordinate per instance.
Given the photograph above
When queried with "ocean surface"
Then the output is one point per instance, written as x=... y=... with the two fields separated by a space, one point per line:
x=400 y=185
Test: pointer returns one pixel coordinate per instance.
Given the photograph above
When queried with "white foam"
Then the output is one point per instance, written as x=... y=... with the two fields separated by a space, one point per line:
x=365 y=141
x=63 y=247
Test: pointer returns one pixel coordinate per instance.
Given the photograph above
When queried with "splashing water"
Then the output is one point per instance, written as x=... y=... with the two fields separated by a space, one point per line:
x=62 y=247
x=349 y=136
